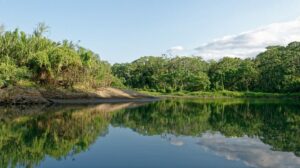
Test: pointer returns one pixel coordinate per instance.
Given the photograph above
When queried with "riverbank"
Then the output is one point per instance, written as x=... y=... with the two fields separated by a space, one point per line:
x=221 y=94
x=40 y=95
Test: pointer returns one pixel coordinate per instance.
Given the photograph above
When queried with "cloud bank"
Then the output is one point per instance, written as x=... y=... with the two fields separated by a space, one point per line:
x=246 y=44
x=250 y=43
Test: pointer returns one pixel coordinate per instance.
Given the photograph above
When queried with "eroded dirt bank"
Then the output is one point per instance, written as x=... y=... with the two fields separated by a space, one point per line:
x=19 y=95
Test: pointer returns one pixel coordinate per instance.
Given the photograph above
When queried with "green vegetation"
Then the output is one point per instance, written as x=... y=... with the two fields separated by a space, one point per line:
x=221 y=94
x=164 y=74
x=277 y=70
x=36 y=59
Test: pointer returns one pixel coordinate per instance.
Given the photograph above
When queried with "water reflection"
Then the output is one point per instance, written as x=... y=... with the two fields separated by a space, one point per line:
x=27 y=136
x=261 y=133
x=274 y=123
x=252 y=151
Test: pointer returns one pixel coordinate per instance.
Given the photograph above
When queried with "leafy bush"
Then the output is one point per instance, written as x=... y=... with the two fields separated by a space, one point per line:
x=10 y=73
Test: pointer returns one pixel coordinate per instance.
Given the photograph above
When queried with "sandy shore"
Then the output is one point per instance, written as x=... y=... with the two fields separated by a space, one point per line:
x=19 y=95
x=101 y=100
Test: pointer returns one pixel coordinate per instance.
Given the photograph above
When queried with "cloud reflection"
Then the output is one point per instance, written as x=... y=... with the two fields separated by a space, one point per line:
x=251 y=151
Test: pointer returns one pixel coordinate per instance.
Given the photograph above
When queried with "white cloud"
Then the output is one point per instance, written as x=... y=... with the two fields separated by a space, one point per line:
x=250 y=43
x=175 y=50
x=251 y=151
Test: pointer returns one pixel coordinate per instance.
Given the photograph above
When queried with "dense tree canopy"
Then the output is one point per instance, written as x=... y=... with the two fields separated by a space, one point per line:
x=280 y=68
x=165 y=74
x=275 y=70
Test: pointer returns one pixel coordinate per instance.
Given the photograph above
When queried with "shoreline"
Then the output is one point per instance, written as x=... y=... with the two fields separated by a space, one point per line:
x=35 y=96
x=223 y=95
x=102 y=100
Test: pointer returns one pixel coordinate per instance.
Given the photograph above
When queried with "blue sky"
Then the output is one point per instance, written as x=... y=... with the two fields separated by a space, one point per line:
x=123 y=30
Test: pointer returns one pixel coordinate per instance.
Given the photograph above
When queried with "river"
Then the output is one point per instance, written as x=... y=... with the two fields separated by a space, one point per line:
x=167 y=133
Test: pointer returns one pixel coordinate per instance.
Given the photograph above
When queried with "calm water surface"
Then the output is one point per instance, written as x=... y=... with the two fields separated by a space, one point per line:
x=167 y=133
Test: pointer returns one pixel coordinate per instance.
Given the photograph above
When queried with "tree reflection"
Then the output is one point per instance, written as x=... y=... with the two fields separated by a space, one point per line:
x=28 y=135
x=276 y=123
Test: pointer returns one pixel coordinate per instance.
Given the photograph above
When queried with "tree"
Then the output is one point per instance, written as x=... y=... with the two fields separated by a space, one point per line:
x=279 y=69
x=223 y=73
x=247 y=75
x=41 y=29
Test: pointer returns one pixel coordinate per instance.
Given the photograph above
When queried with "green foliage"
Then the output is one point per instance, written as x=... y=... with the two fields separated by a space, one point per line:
x=164 y=74
x=10 y=73
x=35 y=58
x=280 y=68
x=48 y=62
x=247 y=75
x=233 y=74
x=275 y=70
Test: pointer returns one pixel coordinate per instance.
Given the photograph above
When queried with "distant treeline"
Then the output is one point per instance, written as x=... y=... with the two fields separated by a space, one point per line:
x=35 y=59
x=275 y=70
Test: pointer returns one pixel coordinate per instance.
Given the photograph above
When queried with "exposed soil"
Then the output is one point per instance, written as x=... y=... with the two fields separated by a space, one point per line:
x=19 y=95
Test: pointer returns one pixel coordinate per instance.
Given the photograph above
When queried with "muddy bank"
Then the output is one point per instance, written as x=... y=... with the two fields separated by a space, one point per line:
x=101 y=100
x=19 y=95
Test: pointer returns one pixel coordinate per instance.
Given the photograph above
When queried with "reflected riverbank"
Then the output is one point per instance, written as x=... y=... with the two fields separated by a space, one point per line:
x=270 y=130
